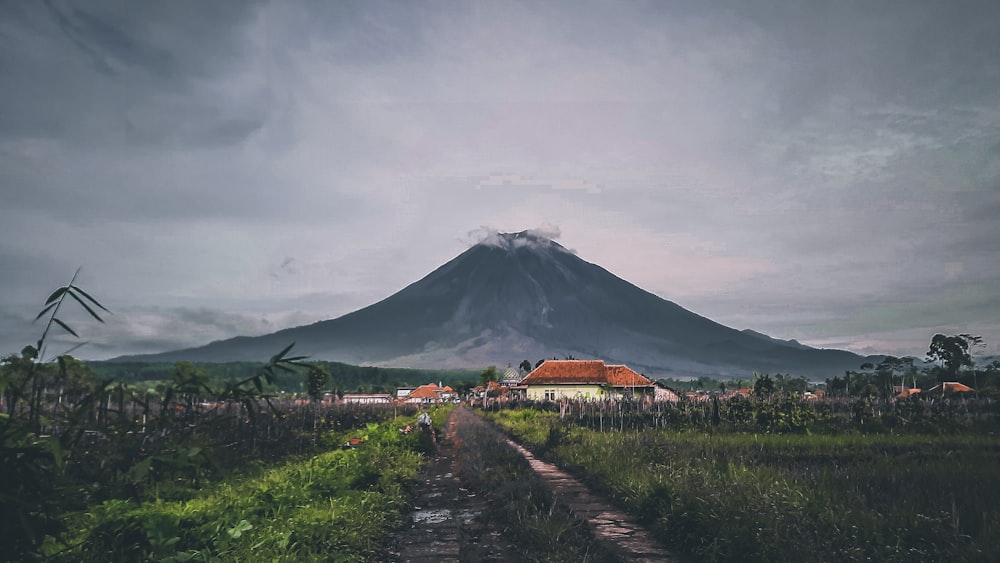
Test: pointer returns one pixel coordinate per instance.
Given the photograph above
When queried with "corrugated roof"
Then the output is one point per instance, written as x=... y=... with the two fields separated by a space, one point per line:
x=587 y=372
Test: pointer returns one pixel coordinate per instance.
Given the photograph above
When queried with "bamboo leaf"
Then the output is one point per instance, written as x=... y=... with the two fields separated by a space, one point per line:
x=46 y=309
x=56 y=294
x=277 y=357
x=65 y=326
x=271 y=406
x=85 y=306
x=72 y=349
x=294 y=359
x=89 y=298
x=258 y=385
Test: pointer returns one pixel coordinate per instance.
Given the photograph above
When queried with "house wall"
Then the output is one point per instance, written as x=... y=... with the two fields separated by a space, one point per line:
x=538 y=392
x=367 y=399
x=666 y=395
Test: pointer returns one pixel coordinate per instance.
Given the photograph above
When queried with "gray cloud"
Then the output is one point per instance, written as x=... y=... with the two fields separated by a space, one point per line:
x=821 y=171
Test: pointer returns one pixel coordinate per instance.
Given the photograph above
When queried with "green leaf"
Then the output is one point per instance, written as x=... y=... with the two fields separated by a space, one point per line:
x=65 y=326
x=258 y=385
x=277 y=357
x=85 y=306
x=140 y=471
x=89 y=298
x=46 y=309
x=237 y=530
x=55 y=449
x=56 y=295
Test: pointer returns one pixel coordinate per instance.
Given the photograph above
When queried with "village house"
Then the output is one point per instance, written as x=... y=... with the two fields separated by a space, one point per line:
x=584 y=379
x=431 y=394
x=367 y=398
x=664 y=394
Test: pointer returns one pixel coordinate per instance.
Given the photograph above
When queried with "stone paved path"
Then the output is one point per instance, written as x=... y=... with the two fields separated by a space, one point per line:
x=617 y=530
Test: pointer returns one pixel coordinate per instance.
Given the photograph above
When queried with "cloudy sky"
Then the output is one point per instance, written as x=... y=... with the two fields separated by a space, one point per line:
x=825 y=171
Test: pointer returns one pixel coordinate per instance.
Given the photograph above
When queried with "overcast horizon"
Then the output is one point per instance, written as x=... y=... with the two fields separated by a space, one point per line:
x=827 y=171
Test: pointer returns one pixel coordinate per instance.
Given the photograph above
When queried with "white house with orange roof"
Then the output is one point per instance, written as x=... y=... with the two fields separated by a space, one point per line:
x=431 y=394
x=584 y=379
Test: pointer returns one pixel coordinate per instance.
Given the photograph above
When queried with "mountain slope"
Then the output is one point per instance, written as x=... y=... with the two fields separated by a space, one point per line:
x=521 y=296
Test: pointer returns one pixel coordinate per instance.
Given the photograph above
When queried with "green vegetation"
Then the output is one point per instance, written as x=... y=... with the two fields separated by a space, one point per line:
x=335 y=506
x=211 y=462
x=732 y=495
x=343 y=378
x=192 y=468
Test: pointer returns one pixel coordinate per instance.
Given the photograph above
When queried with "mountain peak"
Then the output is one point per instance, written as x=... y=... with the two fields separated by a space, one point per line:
x=516 y=296
x=531 y=238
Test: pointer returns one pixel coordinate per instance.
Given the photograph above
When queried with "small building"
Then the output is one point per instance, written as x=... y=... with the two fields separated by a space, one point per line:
x=431 y=394
x=511 y=377
x=664 y=394
x=585 y=380
x=949 y=387
x=367 y=398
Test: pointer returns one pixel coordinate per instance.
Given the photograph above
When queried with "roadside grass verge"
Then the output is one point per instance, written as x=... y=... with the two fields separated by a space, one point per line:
x=542 y=529
x=339 y=505
x=760 y=497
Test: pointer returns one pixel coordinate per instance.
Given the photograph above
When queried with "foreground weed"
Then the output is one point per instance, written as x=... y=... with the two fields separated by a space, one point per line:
x=335 y=506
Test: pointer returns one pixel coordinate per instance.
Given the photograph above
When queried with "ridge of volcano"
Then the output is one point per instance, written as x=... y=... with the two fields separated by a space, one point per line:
x=516 y=296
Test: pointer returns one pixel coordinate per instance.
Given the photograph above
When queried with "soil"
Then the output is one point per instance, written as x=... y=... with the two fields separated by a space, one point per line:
x=451 y=523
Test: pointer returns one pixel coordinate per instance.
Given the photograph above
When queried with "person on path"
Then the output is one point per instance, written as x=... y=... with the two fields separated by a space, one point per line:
x=427 y=427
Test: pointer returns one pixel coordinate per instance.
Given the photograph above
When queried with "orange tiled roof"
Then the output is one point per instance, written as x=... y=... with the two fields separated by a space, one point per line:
x=951 y=386
x=623 y=376
x=429 y=391
x=587 y=372
x=567 y=372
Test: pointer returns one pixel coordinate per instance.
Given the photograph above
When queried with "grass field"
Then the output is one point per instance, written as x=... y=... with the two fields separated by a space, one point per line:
x=736 y=496
x=339 y=505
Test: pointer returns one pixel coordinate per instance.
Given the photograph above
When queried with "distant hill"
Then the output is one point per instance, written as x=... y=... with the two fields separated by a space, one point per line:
x=519 y=296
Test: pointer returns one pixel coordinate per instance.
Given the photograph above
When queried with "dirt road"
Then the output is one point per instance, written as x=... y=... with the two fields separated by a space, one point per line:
x=449 y=522
x=452 y=523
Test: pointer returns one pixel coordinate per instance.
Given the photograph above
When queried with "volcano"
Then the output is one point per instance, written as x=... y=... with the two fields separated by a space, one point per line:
x=517 y=296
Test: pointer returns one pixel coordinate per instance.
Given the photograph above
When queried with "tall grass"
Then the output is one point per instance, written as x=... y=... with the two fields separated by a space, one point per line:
x=761 y=497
